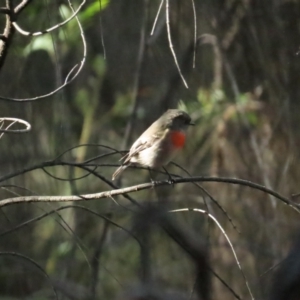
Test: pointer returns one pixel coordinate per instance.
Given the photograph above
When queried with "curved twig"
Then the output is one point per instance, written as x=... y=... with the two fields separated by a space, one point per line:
x=210 y=197
x=69 y=78
x=171 y=44
x=68 y=179
x=56 y=26
x=93 y=145
x=224 y=234
x=14 y=121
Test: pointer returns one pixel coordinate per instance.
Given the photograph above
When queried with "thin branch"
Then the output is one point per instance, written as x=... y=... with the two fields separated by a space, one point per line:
x=101 y=30
x=71 y=232
x=54 y=211
x=136 y=187
x=90 y=145
x=96 y=258
x=56 y=26
x=21 y=6
x=156 y=17
x=137 y=76
x=7 y=35
x=14 y=121
x=7 y=187
x=195 y=33
x=9 y=30
x=144 y=186
x=23 y=257
x=171 y=44
x=68 y=179
x=210 y=197
x=70 y=77
x=7 y=128
x=226 y=285
x=62 y=163
x=226 y=237
x=108 y=182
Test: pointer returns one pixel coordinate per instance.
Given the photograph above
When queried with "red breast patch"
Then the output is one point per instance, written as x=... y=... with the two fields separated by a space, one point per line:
x=178 y=139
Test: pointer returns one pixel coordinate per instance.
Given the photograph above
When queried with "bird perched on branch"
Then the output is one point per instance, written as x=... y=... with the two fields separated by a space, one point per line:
x=158 y=145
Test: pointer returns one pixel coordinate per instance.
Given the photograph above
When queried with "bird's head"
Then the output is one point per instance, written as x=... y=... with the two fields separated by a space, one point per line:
x=176 y=119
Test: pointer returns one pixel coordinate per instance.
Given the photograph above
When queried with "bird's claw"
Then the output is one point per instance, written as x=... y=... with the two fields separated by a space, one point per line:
x=152 y=182
x=171 y=181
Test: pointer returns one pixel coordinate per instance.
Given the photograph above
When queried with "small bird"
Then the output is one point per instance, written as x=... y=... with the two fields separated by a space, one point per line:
x=158 y=145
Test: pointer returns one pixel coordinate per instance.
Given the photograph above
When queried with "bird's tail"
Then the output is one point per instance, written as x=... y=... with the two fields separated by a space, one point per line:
x=119 y=171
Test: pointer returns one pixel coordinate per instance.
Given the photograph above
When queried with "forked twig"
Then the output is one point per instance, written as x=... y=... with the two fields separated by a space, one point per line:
x=69 y=78
x=56 y=26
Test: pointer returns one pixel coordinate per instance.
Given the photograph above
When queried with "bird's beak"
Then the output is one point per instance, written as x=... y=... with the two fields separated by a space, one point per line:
x=191 y=123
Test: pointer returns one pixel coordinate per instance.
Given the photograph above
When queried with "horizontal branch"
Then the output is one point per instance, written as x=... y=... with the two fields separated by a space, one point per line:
x=144 y=186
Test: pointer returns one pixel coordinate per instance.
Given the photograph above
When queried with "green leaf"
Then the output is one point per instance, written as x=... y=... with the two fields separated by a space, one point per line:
x=93 y=9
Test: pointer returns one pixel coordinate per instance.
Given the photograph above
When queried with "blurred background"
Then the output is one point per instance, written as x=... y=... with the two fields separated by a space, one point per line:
x=242 y=67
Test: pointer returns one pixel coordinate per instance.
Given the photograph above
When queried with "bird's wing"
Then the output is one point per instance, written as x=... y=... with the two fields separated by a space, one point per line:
x=139 y=146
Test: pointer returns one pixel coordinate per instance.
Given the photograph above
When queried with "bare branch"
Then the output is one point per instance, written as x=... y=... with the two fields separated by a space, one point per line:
x=195 y=33
x=68 y=179
x=225 y=235
x=137 y=76
x=8 y=33
x=156 y=17
x=101 y=31
x=210 y=197
x=171 y=44
x=9 y=30
x=54 y=211
x=56 y=26
x=21 y=6
x=144 y=186
x=69 y=78
x=97 y=256
x=14 y=121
